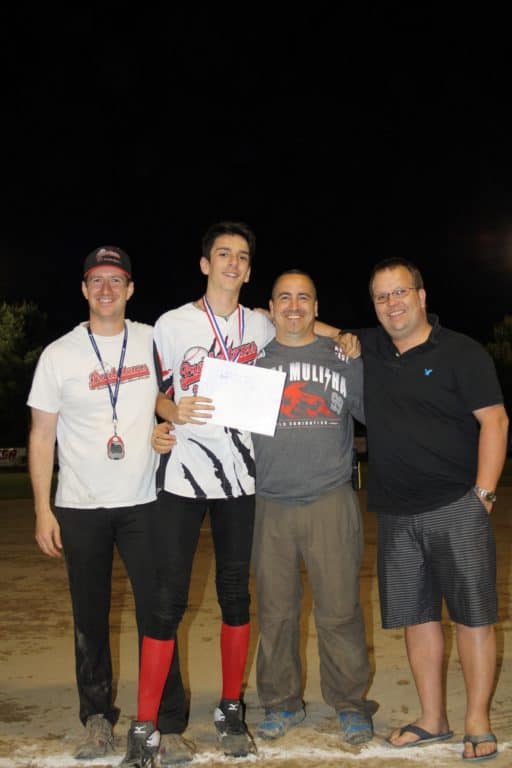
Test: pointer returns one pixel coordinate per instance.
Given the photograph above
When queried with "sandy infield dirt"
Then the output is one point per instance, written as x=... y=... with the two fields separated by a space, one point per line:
x=38 y=702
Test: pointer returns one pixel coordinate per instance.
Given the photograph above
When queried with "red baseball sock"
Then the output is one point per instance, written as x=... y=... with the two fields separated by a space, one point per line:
x=155 y=663
x=234 y=645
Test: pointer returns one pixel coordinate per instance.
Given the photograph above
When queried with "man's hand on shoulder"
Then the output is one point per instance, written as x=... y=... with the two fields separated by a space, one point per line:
x=349 y=344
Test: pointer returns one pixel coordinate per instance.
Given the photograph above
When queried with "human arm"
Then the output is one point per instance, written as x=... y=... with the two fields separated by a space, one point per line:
x=320 y=328
x=347 y=342
x=264 y=311
x=188 y=410
x=41 y=457
x=492 y=447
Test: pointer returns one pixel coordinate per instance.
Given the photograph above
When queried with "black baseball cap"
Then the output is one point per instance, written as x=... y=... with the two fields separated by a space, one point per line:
x=108 y=255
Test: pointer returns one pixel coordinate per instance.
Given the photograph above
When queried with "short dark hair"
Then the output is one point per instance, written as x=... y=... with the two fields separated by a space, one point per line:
x=393 y=263
x=228 y=228
x=292 y=272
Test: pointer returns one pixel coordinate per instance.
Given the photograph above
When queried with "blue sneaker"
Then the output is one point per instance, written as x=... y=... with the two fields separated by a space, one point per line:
x=278 y=722
x=356 y=727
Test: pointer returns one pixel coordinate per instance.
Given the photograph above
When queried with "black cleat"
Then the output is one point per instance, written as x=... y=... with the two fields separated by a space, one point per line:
x=232 y=732
x=142 y=745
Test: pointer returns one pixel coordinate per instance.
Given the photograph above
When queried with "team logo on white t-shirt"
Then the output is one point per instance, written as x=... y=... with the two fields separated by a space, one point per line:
x=99 y=379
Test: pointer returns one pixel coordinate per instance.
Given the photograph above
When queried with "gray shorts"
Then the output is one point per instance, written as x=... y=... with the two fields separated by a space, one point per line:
x=449 y=553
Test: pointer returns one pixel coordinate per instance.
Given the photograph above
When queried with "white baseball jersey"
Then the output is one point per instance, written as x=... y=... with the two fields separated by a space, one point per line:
x=208 y=461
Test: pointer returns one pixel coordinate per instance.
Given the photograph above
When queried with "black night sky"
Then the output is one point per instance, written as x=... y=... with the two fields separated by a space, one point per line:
x=343 y=135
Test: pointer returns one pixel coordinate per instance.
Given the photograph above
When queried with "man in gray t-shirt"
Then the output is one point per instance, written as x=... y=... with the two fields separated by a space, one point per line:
x=306 y=508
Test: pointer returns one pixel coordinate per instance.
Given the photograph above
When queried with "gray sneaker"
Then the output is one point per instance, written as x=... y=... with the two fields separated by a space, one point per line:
x=232 y=732
x=142 y=745
x=174 y=749
x=97 y=741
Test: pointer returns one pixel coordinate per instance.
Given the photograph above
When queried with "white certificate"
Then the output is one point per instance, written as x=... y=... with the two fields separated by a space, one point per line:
x=244 y=396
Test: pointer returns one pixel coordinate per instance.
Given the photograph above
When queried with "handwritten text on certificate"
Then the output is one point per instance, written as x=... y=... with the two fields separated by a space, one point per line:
x=244 y=396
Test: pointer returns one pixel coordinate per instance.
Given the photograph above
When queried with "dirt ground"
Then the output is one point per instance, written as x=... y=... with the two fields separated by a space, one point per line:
x=38 y=702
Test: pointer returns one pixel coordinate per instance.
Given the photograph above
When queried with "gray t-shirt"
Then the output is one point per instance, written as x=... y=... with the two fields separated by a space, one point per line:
x=311 y=452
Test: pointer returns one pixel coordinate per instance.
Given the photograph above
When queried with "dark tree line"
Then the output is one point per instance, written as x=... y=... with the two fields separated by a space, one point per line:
x=22 y=334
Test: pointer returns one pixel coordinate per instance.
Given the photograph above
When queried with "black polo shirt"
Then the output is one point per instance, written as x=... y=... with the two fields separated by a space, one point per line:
x=422 y=435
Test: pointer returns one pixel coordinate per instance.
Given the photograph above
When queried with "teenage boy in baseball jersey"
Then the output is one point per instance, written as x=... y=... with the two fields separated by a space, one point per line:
x=211 y=468
x=93 y=392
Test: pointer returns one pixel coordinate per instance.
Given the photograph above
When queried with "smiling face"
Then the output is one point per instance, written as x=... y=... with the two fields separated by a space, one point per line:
x=107 y=289
x=404 y=318
x=293 y=308
x=229 y=265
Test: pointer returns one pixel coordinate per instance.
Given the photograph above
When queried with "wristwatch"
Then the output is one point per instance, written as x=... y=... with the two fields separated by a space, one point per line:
x=485 y=494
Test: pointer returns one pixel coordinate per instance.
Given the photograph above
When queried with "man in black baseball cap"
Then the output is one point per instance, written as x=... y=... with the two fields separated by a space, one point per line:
x=94 y=392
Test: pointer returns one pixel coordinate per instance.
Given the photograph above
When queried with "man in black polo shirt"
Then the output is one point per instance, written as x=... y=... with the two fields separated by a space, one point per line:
x=437 y=433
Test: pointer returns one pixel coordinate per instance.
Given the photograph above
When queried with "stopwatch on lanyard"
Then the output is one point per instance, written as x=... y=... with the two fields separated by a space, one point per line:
x=115 y=445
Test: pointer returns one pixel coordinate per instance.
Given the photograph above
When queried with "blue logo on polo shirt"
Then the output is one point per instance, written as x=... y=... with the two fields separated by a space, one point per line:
x=428 y=371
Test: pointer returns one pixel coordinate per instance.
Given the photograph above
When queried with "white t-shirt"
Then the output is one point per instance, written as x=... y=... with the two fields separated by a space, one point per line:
x=208 y=461
x=70 y=381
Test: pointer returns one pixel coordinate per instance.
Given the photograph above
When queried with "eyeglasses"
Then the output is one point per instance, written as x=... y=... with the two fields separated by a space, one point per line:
x=398 y=293
x=114 y=281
